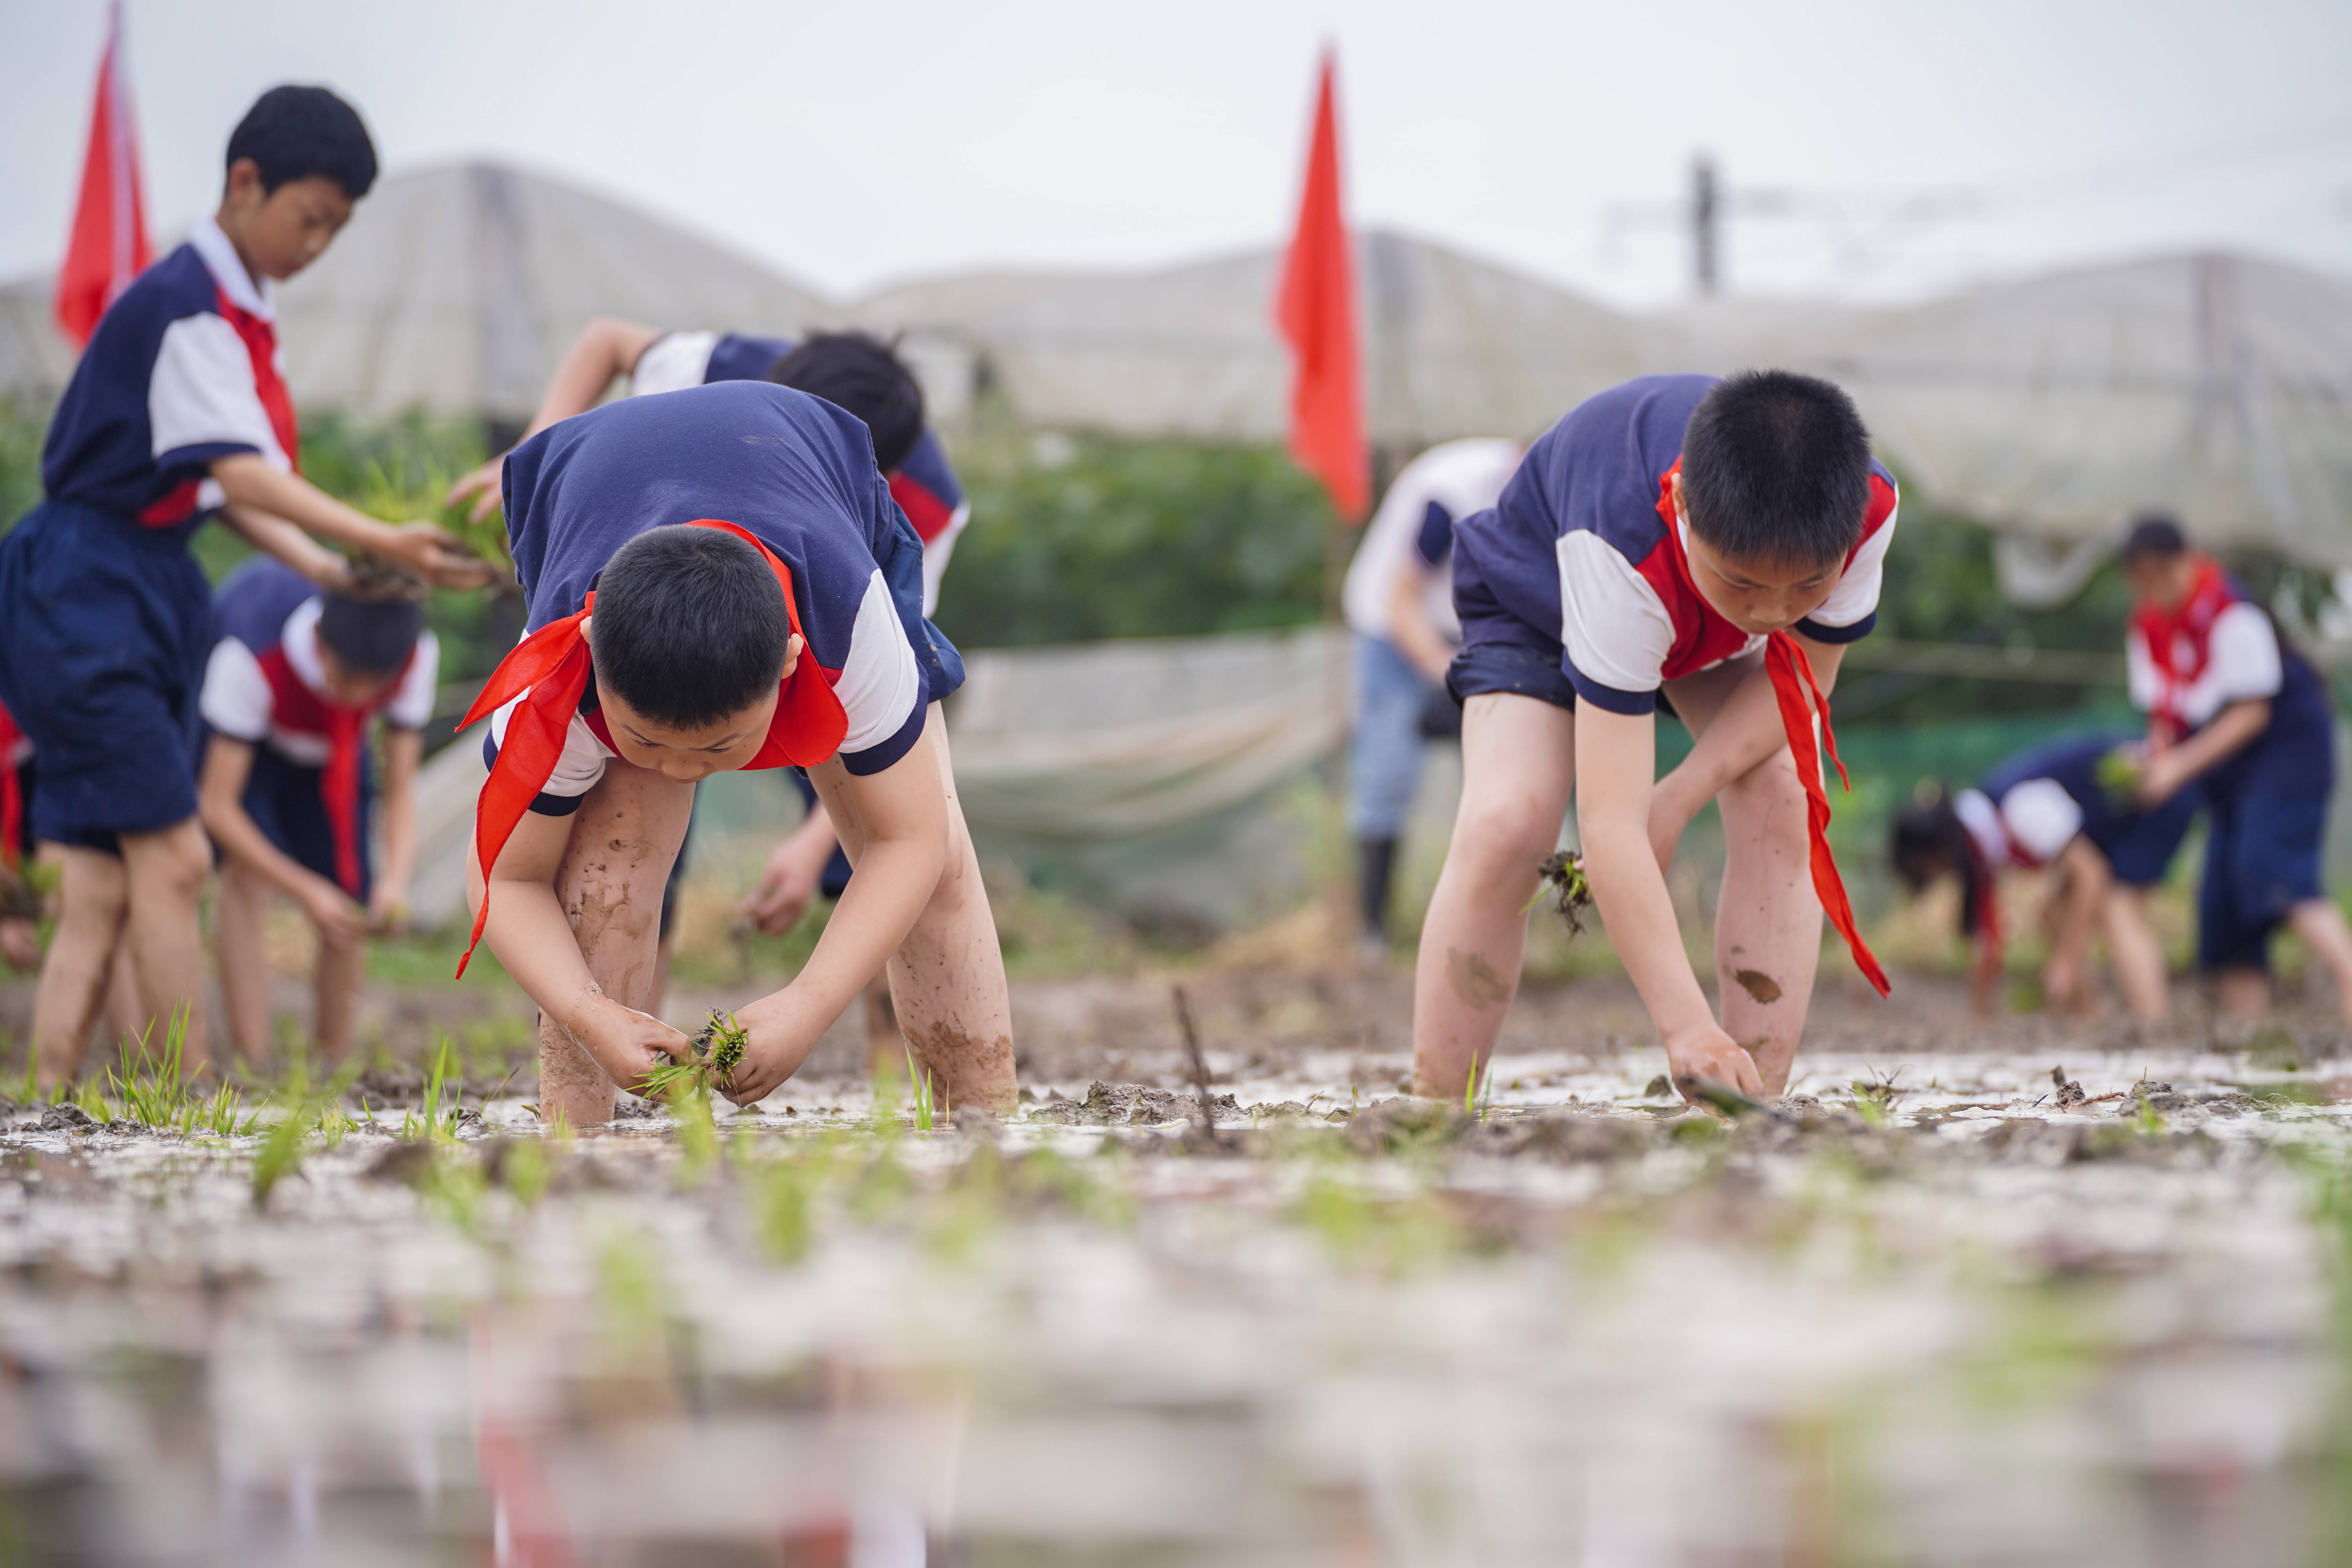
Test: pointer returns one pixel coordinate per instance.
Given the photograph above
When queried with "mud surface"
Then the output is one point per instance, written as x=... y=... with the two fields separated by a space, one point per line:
x=2035 y=1293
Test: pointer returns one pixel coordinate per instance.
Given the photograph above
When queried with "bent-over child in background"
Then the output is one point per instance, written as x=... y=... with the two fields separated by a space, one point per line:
x=295 y=682
x=2059 y=809
x=177 y=412
x=2234 y=707
x=718 y=579
x=1714 y=543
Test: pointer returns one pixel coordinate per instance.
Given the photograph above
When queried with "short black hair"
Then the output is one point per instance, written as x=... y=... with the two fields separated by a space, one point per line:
x=689 y=625
x=293 y=132
x=2154 y=534
x=859 y=375
x=1928 y=842
x=373 y=637
x=1776 y=468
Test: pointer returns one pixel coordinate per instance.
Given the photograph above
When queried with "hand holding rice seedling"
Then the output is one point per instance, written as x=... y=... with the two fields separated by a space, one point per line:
x=717 y=1052
x=2120 y=773
x=1562 y=875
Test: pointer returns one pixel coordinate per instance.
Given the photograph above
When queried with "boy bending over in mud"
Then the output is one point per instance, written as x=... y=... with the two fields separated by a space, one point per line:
x=720 y=579
x=1711 y=546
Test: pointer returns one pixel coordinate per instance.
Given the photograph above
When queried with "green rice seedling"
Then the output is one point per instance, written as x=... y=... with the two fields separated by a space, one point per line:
x=717 y=1052
x=698 y=1133
x=92 y=1103
x=920 y=1083
x=1478 y=1093
x=2119 y=773
x=280 y=1154
x=525 y=1170
x=1562 y=876
x=445 y=1062
x=29 y=1088
x=156 y=1095
x=784 y=1205
x=630 y=1300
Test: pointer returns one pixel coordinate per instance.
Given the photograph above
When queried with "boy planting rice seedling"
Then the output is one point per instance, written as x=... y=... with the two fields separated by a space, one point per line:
x=718 y=579
x=294 y=684
x=2054 y=808
x=1713 y=545
x=852 y=372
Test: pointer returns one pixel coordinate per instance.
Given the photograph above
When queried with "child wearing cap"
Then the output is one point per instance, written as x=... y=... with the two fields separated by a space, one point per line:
x=2050 y=809
x=1714 y=544
x=296 y=680
x=720 y=579
x=2232 y=707
x=177 y=412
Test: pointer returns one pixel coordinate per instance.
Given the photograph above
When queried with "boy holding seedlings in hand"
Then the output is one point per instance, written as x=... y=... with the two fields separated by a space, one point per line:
x=178 y=411
x=718 y=579
x=1712 y=545
x=294 y=684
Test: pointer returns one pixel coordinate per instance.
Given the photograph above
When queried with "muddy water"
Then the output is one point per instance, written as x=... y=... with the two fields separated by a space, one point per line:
x=1937 y=1309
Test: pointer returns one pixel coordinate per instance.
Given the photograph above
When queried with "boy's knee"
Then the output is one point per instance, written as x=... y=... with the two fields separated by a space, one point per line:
x=1501 y=833
x=1767 y=801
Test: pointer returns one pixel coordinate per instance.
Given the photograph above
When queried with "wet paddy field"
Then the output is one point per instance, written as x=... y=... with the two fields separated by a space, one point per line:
x=1939 y=1307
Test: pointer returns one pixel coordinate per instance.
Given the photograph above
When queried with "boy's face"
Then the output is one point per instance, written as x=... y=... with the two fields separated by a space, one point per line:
x=280 y=232
x=2162 y=582
x=349 y=687
x=1754 y=596
x=690 y=755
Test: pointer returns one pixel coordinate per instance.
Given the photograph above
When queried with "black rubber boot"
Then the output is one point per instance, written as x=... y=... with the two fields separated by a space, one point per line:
x=1377 y=858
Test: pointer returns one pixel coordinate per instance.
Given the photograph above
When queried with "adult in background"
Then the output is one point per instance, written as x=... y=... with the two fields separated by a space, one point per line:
x=1399 y=603
x=2232 y=705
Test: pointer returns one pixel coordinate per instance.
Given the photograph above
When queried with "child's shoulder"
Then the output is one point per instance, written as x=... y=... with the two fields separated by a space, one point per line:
x=177 y=286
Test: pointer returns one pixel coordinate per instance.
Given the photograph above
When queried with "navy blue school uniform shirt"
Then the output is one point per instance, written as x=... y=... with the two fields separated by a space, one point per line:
x=1582 y=558
x=924 y=485
x=794 y=470
x=2028 y=809
x=103 y=612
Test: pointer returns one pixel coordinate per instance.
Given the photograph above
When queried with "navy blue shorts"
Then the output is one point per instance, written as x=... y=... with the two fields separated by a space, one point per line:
x=104 y=630
x=1500 y=652
x=284 y=800
x=2262 y=858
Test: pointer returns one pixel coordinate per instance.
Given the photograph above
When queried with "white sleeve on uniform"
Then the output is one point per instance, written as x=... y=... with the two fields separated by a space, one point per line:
x=2244 y=664
x=410 y=706
x=672 y=363
x=1616 y=631
x=202 y=393
x=880 y=683
x=936 y=551
x=580 y=766
x=1855 y=597
x=2147 y=685
x=237 y=699
x=2040 y=818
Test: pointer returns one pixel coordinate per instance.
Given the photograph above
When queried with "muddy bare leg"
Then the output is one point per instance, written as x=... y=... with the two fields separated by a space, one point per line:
x=947 y=979
x=237 y=918
x=1768 y=919
x=165 y=871
x=1518 y=757
x=623 y=837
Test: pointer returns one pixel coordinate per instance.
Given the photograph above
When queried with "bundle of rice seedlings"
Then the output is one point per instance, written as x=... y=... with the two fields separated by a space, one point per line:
x=717 y=1052
x=1562 y=876
x=2118 y=774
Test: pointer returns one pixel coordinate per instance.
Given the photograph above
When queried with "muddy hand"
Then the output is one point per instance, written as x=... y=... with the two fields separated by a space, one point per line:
x=628 y=1045
x=779 y=1039
x=1710 y=1056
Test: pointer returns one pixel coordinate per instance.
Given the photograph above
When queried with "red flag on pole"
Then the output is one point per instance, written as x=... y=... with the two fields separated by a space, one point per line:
x=108 y=247
x=1317 y=312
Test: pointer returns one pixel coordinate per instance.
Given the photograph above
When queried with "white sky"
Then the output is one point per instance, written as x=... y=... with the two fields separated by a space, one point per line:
x=853 y=144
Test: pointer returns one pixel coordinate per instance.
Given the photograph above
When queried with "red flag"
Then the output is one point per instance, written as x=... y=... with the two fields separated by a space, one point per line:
x=108 y=247
x=1317 y=312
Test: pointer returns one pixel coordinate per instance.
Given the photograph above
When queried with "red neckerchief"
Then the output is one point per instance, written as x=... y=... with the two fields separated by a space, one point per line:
x=928 y=512
x=1985 y=882
x=2164 y=632
x=1800 y=699
x=298 y=708
x=260 y=340
x=12 y=798
x=550 y=670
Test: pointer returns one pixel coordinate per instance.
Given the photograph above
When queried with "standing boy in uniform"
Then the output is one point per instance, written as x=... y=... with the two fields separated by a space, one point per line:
x=718 y=579
x=2232 y=707
x=177 y=411
x=1398 y=604
x=294 y=684
x=1717 y=543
